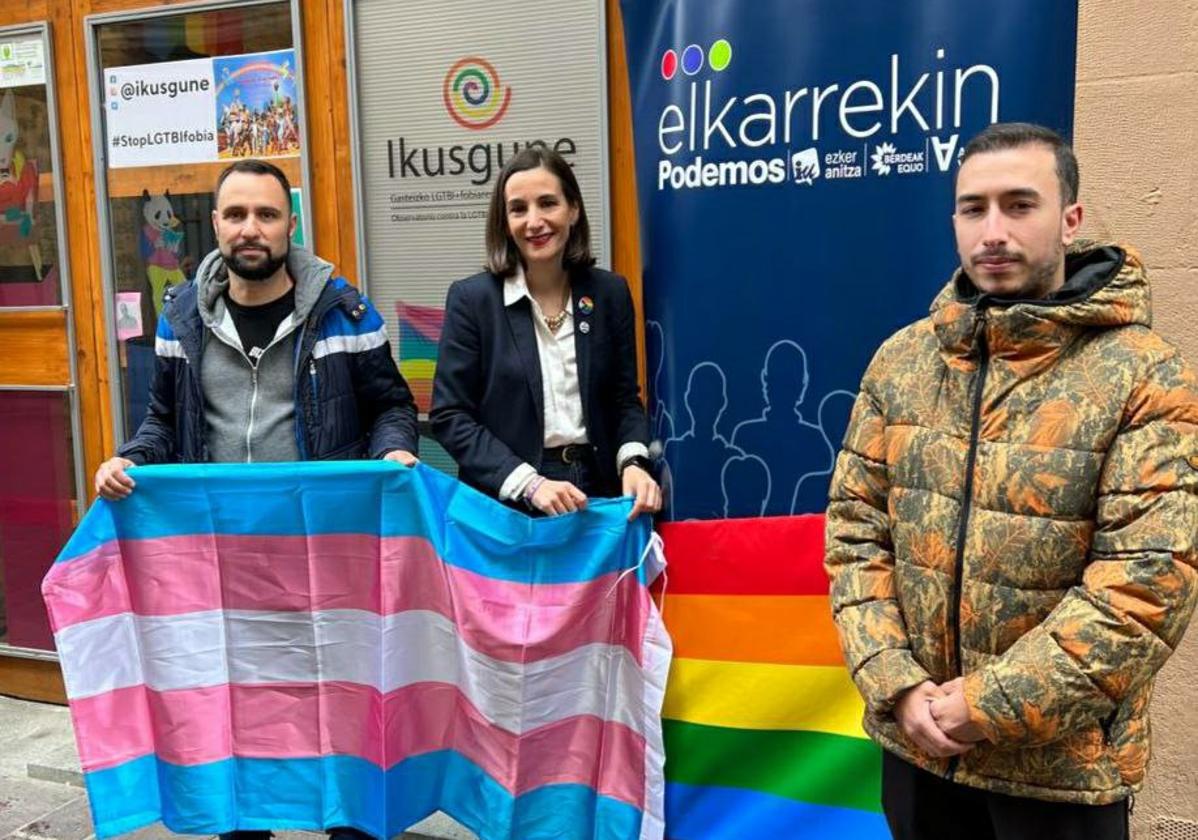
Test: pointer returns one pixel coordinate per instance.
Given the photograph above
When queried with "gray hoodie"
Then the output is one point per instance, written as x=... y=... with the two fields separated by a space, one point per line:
x=249 y=407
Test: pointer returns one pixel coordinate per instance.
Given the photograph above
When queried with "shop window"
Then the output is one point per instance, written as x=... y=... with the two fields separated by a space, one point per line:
x=181 y=96
x=40 y=482
x=30 y=274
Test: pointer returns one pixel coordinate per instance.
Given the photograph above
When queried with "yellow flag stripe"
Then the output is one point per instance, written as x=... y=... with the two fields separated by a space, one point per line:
x=749 y=695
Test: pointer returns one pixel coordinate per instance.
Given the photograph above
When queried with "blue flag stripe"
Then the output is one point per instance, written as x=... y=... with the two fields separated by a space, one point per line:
x=717 y=813
x=466 y=528
x=317 y=793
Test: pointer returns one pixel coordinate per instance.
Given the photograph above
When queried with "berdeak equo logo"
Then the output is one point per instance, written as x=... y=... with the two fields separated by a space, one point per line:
x=473 y=94
x=880 y=158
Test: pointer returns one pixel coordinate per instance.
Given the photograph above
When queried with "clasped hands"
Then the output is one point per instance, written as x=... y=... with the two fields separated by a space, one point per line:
x=557 y=497
x=936 y=718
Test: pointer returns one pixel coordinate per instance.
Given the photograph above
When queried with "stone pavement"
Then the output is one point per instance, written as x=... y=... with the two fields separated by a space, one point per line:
x=41 y=785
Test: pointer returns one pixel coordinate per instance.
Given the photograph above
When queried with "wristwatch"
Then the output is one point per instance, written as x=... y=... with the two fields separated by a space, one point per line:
x=637 y=461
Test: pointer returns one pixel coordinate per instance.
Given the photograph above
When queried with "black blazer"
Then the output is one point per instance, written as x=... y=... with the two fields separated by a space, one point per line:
x=488 y=404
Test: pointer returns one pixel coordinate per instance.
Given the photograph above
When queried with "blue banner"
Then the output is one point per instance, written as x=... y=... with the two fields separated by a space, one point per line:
x=794 y=164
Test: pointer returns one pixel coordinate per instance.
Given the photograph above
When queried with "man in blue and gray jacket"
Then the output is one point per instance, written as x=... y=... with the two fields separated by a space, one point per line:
x=265 y=355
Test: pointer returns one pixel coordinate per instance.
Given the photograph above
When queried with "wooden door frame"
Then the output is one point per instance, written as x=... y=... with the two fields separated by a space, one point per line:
x=39 y=348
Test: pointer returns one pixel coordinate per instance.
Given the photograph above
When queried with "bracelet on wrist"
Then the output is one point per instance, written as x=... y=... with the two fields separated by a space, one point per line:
x=532 y=488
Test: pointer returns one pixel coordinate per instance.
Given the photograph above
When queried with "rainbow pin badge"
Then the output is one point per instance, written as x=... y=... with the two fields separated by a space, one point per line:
x=585 y=305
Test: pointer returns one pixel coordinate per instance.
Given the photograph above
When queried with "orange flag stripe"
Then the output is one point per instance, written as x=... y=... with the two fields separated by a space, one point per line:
x=781 y=629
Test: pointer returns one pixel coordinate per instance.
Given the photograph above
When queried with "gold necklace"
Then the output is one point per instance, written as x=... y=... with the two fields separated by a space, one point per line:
x=554 y=322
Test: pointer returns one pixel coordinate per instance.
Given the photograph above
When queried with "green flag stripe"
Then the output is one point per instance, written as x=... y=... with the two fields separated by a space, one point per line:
x=810 y=767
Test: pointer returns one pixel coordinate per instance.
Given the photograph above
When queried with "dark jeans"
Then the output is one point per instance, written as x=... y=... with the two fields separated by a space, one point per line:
x=581 y=471
x=923 y=806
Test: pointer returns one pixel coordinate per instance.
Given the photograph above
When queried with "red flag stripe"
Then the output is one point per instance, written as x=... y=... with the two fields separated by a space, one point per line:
x=773 y=555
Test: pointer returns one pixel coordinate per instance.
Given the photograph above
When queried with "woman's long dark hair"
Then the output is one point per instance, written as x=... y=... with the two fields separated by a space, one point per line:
x=502 y=254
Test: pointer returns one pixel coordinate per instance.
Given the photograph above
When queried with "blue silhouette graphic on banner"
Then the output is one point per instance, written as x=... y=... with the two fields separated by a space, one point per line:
x=661 y=422
x=792 y=447
x=745 y=482
x=775 y=464
x=696 y=458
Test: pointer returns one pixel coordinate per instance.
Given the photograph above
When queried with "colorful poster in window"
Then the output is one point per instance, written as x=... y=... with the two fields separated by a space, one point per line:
x=202 y=110
x=256 y=105
x=28 y=224
x=22 y=62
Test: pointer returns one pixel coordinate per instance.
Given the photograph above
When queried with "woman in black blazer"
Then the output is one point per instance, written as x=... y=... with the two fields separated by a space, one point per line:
x=536 y=394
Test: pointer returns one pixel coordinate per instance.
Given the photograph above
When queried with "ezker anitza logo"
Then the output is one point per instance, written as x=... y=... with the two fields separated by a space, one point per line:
x=474 y=95
x=711 y=134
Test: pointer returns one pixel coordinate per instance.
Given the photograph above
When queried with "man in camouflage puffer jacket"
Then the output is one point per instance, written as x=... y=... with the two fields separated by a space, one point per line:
x=1012 y=524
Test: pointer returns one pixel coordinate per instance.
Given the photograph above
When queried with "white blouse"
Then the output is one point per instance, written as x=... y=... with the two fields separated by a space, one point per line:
x=559 y=386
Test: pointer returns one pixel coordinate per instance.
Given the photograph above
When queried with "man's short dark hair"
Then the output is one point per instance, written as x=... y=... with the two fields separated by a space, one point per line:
x=253 y=166
x=1013 y=135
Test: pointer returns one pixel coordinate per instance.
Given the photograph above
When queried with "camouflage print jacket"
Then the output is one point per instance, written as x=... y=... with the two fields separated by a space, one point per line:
x=1017 y=502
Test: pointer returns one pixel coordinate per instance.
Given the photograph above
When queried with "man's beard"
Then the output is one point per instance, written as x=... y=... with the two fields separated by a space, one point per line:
x=1040 y=276
x=255 y=272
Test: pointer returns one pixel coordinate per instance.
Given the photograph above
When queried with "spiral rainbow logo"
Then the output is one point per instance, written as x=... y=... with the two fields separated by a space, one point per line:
x=473 y=94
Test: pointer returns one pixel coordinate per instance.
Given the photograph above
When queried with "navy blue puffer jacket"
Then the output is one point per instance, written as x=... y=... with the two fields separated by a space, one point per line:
x=351 y=400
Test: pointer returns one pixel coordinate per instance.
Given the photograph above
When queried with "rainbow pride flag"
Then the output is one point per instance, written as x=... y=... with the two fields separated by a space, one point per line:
x=358 y=644
x=419 y=335
x=762 y=722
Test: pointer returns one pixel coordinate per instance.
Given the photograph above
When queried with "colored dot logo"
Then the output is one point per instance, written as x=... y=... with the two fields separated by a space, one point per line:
x=473 y=94
x=669 y=65
x=717 y=57
x=720 y=55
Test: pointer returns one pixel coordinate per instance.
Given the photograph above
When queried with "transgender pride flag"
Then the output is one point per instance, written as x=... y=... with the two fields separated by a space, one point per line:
x=359 y=644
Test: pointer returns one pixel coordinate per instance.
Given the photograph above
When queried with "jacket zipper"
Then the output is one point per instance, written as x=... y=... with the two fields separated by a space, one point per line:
x=967 y=497
x=312 y=394
x=249 y=429
x=253 y=363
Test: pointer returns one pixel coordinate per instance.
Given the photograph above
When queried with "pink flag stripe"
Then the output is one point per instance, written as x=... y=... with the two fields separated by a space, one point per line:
x=506 y=620
x=203 y=725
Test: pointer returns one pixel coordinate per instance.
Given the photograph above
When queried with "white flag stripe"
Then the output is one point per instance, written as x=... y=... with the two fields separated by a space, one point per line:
x=257 y=648
x=110 y=655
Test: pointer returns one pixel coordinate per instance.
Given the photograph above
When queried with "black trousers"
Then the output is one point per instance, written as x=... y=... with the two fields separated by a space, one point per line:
x=923 y=806
x=581 y=471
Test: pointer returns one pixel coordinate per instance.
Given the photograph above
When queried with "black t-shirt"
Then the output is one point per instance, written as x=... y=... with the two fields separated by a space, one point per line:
x=257 y=325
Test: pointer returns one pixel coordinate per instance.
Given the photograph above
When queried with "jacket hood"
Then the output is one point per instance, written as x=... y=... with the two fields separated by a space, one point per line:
x=309 y=272
x=1105 y=287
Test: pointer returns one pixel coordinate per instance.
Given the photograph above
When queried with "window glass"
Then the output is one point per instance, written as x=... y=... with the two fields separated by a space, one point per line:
x=29 y=274
x=37 y=507
x=184 y=95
